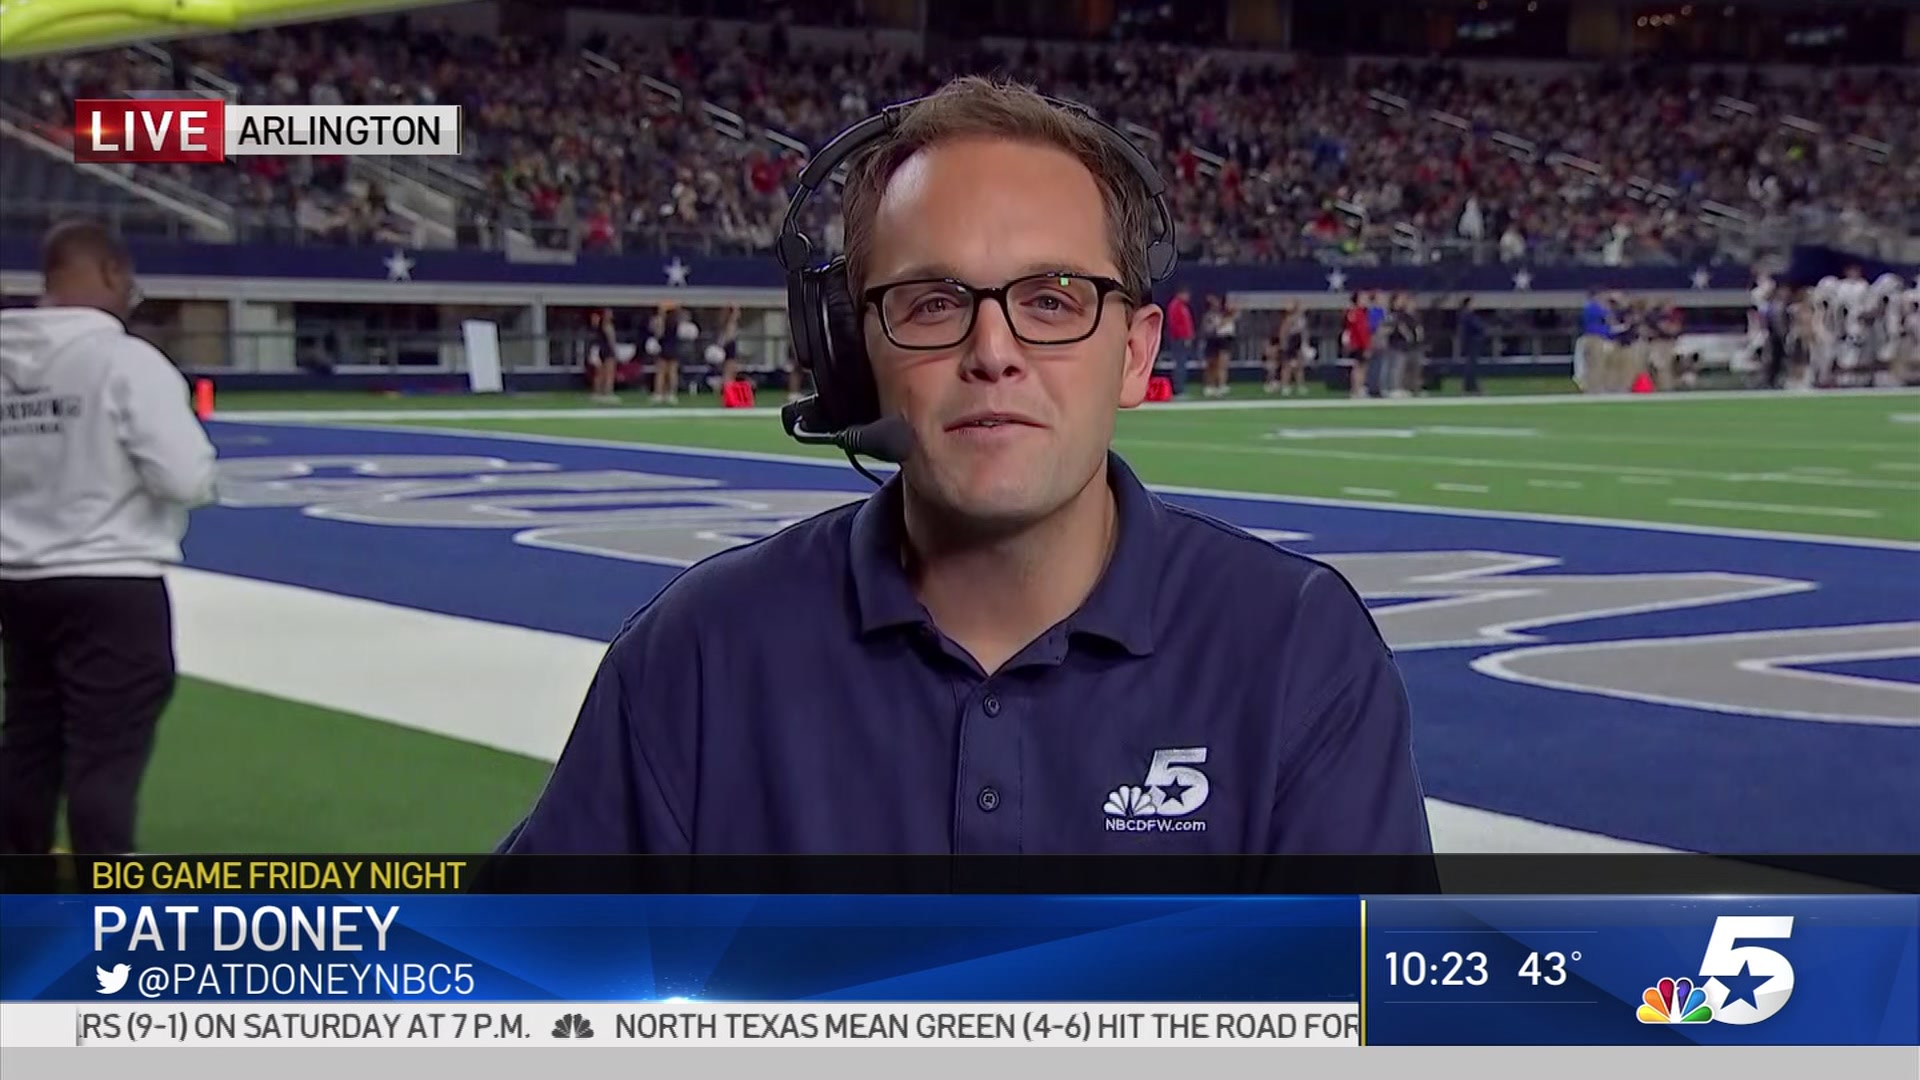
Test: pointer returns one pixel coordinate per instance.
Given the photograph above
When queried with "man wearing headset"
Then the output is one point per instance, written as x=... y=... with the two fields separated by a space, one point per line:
x=1013 y=646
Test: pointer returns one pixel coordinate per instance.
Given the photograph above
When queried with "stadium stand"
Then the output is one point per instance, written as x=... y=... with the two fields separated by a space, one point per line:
x=687 y=144
x=677 y=138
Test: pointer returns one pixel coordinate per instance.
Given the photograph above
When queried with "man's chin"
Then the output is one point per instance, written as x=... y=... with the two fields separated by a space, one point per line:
x=990 y=507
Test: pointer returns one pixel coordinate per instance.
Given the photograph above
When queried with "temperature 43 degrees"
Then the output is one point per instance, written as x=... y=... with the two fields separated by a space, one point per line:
x=1548 y=968
x=1457 y=968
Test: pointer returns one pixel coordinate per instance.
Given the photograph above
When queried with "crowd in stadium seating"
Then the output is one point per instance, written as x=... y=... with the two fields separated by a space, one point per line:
x=1266 y=164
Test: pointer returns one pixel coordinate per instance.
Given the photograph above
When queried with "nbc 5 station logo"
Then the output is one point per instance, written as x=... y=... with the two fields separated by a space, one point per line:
x=1745 y=984
x=1166 y=798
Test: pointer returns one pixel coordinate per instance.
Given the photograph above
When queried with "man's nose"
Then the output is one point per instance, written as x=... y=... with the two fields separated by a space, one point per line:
x=993 y=352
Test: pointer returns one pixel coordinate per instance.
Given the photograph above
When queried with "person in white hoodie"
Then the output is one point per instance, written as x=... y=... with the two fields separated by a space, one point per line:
x=100 y=459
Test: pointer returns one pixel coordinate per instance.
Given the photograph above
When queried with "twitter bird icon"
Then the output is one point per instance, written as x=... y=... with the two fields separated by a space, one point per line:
x=111 y=980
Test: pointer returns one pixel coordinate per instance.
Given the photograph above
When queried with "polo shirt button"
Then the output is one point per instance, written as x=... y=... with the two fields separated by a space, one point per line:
x=992 y=705
x=989 y=799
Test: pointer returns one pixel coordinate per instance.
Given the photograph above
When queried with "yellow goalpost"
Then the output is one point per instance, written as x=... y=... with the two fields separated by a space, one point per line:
x=39 y=27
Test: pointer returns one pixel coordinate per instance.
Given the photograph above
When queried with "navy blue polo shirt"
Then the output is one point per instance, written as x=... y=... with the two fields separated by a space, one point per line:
x=1214 y=694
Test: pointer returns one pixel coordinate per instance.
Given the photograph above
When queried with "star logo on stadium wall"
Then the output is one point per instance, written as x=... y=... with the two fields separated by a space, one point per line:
x=1337 y=281
x=399 y=267
x=677 y=272
x=1701 y=278
x=1523 y=279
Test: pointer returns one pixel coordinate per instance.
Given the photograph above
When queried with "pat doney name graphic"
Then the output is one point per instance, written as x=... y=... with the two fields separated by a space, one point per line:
x=181 y=936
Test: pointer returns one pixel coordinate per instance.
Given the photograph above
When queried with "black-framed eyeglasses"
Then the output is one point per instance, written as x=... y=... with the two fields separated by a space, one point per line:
x=1042 y=309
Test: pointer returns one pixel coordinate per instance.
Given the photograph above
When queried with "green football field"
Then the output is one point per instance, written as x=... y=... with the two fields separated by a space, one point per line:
x=241 y=770
x=1843 y=465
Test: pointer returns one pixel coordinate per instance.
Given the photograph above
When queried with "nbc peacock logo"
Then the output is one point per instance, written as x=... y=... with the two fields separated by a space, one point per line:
x=1129 y=800
x=1742 y=984
x=1675 y=1001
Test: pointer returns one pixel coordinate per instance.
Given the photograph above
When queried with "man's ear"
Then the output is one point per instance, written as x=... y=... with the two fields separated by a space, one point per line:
x=1143 y=348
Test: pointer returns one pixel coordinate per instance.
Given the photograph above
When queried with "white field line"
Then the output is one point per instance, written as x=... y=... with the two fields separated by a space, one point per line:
x=1513 y=464
x=1558 y=437
x=1775 y=508
x=506 y=687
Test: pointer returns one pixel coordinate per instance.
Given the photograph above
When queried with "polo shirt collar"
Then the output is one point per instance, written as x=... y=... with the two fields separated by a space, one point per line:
x=1121 y=609
x=881 y=590
x=1123 y=603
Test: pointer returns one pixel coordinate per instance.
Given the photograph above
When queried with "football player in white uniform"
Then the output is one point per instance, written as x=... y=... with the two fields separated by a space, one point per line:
x=1888 y=320
x=1825 y=346
x=1856 y=316
x=1908 y=370
x=1803 y=336
x=1762 y=300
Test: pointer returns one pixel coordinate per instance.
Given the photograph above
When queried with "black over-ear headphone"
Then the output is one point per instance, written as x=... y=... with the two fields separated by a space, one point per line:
x=824 y=318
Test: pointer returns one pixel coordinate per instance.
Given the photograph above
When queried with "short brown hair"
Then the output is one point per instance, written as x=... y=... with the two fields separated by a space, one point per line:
x=76 y=240
x=975 y=105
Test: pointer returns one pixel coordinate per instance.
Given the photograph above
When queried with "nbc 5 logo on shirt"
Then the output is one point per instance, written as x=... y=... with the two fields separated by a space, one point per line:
x=1745 y=984
x=1165 y=799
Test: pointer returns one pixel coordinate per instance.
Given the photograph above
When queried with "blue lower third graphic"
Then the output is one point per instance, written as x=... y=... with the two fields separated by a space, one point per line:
x=1587 y=971
x=697 y=948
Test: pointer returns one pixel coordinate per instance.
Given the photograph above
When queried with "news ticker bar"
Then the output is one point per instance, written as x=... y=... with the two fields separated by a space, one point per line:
x=1419 y=971
x=204 y=130
x=539 y=1024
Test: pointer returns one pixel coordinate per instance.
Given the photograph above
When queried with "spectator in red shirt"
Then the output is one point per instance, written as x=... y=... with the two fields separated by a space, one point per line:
x=1187 y=163
x=597 y=233
x=546 y=200
x=1180 y=341
x=1357 y=338
x=764 y=176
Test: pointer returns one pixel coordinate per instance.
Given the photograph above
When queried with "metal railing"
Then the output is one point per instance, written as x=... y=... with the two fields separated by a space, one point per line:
x=277 y=227
x=200 y=79
x=133 y=218
x=125 y=216
x=339 y=350
x=328 y=349
x=1507 y=338
x=34 y=136
x=569 y=238
x=456 y=182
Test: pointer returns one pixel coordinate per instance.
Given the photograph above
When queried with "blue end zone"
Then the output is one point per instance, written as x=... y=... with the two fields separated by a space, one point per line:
x=1675 y=776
